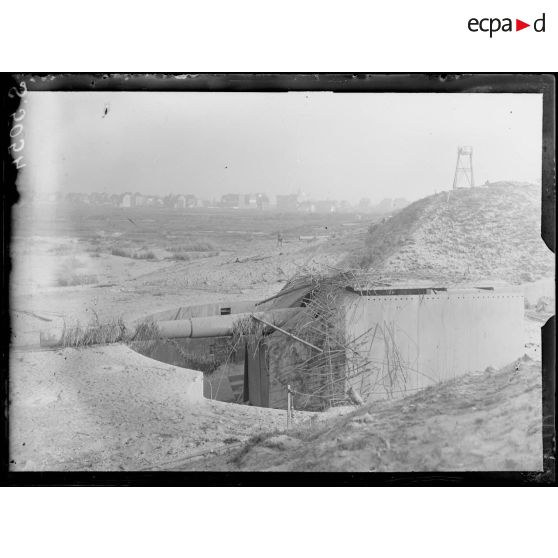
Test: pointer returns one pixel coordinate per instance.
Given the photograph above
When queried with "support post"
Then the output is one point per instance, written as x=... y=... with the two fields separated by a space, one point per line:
x=288 y=406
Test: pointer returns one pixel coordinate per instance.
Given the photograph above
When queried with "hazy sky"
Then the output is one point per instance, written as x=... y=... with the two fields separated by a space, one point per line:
x=327 y=145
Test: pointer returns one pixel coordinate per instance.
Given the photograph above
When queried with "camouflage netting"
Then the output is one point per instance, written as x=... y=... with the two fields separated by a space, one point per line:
x=313 y=357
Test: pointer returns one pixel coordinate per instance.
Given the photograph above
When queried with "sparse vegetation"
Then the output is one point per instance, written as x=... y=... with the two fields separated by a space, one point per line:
x=196 y=361
x=148 y=255
x=193 y=246
x=74 y=263
x=61 y=249
x=190 y=256
x=127 y=253
x=82 y=336
x=69 y=276
x=205 y=363
x=121 y=252
x=94 y=251
x=113 y=331
x=386 y=436
x=76 y=279
x=254 y=442
x=183 y=257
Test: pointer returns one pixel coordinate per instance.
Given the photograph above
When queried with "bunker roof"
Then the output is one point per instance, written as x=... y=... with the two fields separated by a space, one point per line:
x=299 y=290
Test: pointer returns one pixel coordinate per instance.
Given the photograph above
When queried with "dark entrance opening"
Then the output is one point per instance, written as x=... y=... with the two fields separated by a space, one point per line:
x=256 y=375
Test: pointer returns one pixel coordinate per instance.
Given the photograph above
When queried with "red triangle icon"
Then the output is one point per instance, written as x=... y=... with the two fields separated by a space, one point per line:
x=519 y=25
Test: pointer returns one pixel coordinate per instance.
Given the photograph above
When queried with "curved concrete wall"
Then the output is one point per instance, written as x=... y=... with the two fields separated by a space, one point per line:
x=224 y=384
x=165 y=382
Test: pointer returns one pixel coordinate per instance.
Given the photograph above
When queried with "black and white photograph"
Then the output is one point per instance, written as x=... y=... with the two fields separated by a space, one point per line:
x=245 y=279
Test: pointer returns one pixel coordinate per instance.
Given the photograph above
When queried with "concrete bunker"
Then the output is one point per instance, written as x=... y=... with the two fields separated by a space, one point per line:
x=199 y=337
x=222 y=364
x=334 y=341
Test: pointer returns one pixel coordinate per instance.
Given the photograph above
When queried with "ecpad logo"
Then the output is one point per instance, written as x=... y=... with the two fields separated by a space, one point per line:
x=494 y=24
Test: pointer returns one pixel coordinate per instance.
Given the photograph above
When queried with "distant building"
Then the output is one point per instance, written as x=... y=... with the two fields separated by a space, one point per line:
x=168 y=200
x=364 y=204
x=153 y=201
x=231 y=200
x=127 y=200
x=116 y=199
x=307 y=207
x=262 y=201
x=248 y=201
x=287 y=202
x=99 y=198
x=77 y=197
x=138 y=200
x=179 y=202
x=255 y=201
x=325 y=206
x=191 y=201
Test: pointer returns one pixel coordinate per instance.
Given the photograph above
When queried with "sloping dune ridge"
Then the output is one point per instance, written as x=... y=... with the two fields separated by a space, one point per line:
x=486 y=233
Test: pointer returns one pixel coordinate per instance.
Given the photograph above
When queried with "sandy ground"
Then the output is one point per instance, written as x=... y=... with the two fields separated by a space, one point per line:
x=109 y=408
x=488 y=421
x=92 y=409
x=466 y=235
x=80 y=409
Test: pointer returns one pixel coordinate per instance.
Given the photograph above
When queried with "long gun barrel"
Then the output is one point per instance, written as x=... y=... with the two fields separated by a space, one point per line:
x=211 y=326
x=218 y=326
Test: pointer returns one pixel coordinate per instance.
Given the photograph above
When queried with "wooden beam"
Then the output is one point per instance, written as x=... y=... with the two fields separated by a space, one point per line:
x=287 y=333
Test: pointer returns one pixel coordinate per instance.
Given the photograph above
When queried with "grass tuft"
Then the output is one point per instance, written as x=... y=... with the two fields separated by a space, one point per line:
x=121 y=252
x=193 y=246
x=76 y=279
x=81 y=336
x=113 y=331
x=69 y=274
x=148 y=255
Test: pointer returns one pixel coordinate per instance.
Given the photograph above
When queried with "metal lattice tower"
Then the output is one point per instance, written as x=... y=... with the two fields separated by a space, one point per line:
x=463 y=177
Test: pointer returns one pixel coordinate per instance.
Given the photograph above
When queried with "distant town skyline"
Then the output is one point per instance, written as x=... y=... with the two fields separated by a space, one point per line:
x=327 y=145
x=283 y=203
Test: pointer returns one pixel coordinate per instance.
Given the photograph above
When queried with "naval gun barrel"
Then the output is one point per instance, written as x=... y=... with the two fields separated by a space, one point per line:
x=218 y=326
x=210 y=326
